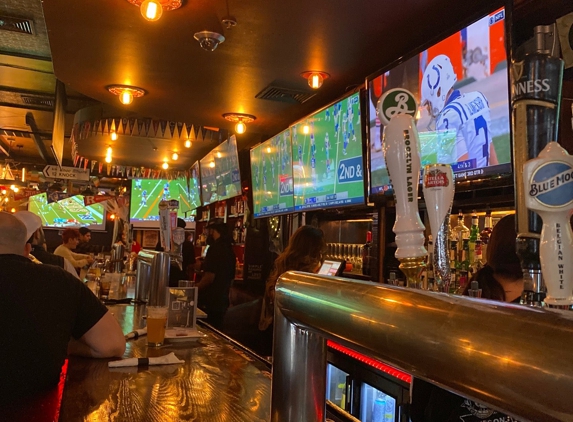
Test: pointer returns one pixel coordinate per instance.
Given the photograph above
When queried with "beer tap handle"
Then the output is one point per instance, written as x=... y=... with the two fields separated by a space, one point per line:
x=548 y=183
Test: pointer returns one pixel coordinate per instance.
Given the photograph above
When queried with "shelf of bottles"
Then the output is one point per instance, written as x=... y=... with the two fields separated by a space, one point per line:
x=467 y=247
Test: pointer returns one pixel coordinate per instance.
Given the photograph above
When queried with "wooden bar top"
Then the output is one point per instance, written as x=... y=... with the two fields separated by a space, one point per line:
x=217 y=382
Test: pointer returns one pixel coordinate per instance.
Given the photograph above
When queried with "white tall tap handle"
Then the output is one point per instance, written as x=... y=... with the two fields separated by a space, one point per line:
x=403 y=161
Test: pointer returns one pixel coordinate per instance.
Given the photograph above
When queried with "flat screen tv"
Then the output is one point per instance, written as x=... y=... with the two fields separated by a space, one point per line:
x=328 y=167
x=208 y=179
x=195 y=187
x=146 y=195
x=68 y=212
x=271 y=173
x=227 y=171
x=462 y=109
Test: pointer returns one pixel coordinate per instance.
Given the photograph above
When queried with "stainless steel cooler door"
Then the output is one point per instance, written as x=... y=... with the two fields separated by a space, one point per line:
x=336 y=380
x=376 y=406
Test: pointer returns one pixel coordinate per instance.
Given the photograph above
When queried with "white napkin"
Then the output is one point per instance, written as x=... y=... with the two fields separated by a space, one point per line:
x=136 y=333
x=169 y=359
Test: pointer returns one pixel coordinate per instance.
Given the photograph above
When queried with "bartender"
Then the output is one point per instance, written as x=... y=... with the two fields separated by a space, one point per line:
x=218 y=273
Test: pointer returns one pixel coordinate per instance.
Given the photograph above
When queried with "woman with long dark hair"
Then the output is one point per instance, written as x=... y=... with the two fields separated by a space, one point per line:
x=303 y=253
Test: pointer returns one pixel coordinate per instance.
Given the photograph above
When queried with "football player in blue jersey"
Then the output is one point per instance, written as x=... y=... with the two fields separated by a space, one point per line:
x=345 y=145
x=138 y=184
x=143 y=198
x=327 y=115
x=468 y=115
x=300 y=155
x=313 y=170
x=165 y=192
x=327 y=151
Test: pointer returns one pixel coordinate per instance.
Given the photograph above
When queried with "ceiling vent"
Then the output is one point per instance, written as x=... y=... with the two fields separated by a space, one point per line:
x=23 y=26
x=285 y=95
x=38 y=101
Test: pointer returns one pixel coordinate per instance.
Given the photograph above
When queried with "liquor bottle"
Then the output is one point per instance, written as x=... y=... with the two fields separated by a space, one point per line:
x=366 y=250
x=453 y=267
x=474 y=233
x=486 y=233
x=460 y=232
x=536 y=102
x=477 y=263
x=464 y=267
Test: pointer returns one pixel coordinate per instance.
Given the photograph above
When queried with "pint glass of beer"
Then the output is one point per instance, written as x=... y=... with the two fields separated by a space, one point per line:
x=156 y=321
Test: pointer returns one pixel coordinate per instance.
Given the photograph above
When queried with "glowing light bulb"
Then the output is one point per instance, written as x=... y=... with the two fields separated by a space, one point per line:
x=315 y=80
x=165 y=166
x=113 y=136
x=175 y=156
x=23 y=178
x=112 y=217
x=125 y=97
x=3 y=191
x=240 y=127
x=212 y=164
x=151 y=10
x=6 y=199
x=16 y=189
x=13 y=210
x=218 y=154
x=305 y=129
x=108 y=159
x=269 y=150
x=187 y=143
x=109 y=151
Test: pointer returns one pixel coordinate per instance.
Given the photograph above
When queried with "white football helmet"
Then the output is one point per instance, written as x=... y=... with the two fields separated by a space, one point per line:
x=439 y=77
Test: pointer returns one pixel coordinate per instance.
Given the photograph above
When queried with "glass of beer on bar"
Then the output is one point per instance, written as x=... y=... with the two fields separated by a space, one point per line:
x=156 y=321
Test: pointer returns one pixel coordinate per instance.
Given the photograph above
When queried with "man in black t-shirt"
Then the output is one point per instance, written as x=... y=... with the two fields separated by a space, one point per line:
x=45 y=313
x=219 y=272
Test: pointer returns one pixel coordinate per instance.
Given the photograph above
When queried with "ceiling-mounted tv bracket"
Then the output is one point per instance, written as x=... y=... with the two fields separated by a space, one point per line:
x=229 y=21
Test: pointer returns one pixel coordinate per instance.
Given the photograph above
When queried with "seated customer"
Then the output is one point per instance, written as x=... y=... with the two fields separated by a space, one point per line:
x=46 y=313
x=70 y=239
x=85 y=246
x=501 y=279
x=36 y=238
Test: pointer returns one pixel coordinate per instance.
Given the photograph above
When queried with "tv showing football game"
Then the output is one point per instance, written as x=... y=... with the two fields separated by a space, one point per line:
x=328 y=169
x=460 y=102
x=208 y=179
x=271 y=173
x=68 y=212
x=195 y=187
x=146 y=195
x=227 y=171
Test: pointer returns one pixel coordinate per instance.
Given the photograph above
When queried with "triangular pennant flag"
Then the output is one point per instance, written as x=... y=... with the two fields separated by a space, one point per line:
x=124 y=123
x=172 y=127
x=179 y=129
x=86 y=163
x=128 y=171
x=100 y=168
x=117 y=122
x=183 y=133
x=131 y=125
x=155 y=127
x=110 y=126
x=163 y=124
x=94 y=162
x=108 y=169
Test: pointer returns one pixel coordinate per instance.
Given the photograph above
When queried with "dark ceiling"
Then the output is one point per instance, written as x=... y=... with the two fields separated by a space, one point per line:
x=94 y=43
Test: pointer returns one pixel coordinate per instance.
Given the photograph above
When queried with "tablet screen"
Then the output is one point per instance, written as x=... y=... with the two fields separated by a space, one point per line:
x=330 y=267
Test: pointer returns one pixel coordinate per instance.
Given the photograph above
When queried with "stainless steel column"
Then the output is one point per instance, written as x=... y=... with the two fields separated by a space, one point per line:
x=159 y=279
x=297 y=351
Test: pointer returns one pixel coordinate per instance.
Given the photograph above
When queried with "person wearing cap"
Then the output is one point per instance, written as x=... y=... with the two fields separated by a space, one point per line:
x=47 y=314
x=219 y=272
x=36 y=238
